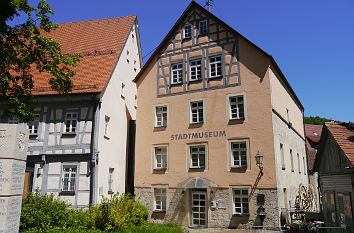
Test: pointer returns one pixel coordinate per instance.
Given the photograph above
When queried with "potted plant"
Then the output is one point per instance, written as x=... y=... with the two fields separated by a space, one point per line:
x=301 y=227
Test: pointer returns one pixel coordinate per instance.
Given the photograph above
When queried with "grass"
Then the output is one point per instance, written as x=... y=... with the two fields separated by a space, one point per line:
x=145 y=228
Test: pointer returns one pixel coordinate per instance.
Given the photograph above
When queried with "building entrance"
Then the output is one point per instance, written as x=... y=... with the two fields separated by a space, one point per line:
x=199 y=210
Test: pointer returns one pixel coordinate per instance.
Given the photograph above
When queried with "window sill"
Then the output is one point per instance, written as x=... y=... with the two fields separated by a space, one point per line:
x=241 y=215
x=186 y=39
x=196 y=80
x=203 y=34
x=195 y=125
x=159 y=211
x=160 y=169
x=176 y=84
x=33 y=137
x=216 y=77
x=236 y=121
x=69 y=134
x=160 y=128
x=197 y=169
x=67 y=193
x=238 y=169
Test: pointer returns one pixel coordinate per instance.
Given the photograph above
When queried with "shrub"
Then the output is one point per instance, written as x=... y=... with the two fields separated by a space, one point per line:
x=43 y=212
x=117 y=213
x=154 y=228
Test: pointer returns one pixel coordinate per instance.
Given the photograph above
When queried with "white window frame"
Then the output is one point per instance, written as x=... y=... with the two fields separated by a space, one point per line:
x=178 y=70
x=196 y=68
x=160 y=198
x=33 y=126
x=69 y=117
x=184 y=31
x=198 y=145
x=241 y=196
x=216 y=64
x=197 y=109
x=164 y=157
x=70 y=172
x=163 y=122
x=231 y=156
x=206 y=27
x=229 y=107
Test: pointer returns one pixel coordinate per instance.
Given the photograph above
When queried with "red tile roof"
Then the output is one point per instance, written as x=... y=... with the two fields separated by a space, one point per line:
x=310 y=134
x=343 y=133
x=99 y=41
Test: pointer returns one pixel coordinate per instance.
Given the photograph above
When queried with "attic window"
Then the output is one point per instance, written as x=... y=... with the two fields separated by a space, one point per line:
x=315 y=133
x=187 y=31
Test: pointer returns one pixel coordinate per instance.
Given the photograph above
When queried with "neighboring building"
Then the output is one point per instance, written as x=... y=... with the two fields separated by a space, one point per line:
x=335 y=165
x=209 y=100
x=78 y=142
x=313 y=136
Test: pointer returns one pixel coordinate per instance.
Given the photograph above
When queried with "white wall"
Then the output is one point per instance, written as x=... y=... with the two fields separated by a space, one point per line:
x=115 y=100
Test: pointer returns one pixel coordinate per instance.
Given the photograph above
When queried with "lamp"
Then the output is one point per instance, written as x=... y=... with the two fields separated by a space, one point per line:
x=259 y=161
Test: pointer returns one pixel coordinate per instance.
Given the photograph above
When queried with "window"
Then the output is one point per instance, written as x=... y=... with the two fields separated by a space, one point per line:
x=69 y=177
x=106 y=122
x=176 y=73
x=110 y=180
x=236 y=107
x=238 y=154
x=291 y=160
x=282 y=156
x=161 y=116
x=196 y=112
x=215 y=67
x=197 y=156
x=160 y=199
x=285 y=195
x=13 y=120
x=203 y=27
x=303 y=159
x=187 y=31
x=241 y=201
x=33 y=125
x=195 y=69
x=70 y=122
x=160 y=157
x=298 y=163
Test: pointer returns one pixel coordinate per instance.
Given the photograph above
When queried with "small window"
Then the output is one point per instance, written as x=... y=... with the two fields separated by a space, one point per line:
x=241 y=201
x=106 y=124
x=187 y=31
x=197 y=156
x=237 y=107
x=160 y=199
x=13 y=120
x=69 y=178
x=238 y=154
x=303 y=159
x=160 y=158
x=160 y=116
x=195 y=70
x=203 y=27
x=196 y=112
x=176 y=73
x=282 y=159
x=70 y=122
x=33 y=125
x=110 y=180
x=291 y=160
x=298 y=163
x=215 y=67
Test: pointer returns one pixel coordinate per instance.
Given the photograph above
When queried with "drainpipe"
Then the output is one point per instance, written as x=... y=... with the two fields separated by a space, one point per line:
x=94 y=153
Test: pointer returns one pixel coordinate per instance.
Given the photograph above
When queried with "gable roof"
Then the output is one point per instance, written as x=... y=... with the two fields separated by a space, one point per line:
x=310 y=131
x=100 y=42
x=343 y=134
x=192 y=5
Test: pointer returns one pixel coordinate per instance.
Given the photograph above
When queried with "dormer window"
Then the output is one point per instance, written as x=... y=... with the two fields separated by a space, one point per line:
x=187 y=31
x=203 y=27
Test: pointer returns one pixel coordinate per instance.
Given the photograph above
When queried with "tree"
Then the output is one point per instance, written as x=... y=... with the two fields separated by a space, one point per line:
x=22 y=49
x=316 y=120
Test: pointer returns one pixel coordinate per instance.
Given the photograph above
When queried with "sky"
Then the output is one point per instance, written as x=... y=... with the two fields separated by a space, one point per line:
x=311 y=40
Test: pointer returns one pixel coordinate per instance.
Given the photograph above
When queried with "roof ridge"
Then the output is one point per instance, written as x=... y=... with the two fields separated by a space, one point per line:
x=98 y=19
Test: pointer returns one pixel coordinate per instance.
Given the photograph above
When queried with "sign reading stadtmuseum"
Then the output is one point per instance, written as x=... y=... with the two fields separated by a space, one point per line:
x=13 y=153
x=198 y=135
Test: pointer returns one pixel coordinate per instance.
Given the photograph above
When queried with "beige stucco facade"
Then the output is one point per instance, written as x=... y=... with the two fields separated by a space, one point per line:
x=245 y=72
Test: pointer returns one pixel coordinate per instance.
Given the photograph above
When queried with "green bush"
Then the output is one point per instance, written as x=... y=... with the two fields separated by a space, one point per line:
x=117 y=213
x=154 y=228
x=43 y=212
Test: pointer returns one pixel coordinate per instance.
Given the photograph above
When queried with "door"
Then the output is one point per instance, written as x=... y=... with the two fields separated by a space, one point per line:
x=199 y=210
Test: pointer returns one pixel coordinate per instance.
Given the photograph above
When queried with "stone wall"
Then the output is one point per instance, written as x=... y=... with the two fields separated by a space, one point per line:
x=221 y=216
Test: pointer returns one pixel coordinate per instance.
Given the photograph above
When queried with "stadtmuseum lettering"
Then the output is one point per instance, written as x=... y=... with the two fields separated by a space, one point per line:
x=207 y=134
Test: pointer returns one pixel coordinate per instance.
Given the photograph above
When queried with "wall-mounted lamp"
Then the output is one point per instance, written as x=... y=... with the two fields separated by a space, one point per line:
x=259 y=161
x=182 y=192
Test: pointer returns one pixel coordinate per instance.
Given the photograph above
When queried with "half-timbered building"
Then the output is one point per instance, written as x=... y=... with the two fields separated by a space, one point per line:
x=78 y=147
x=209 y=103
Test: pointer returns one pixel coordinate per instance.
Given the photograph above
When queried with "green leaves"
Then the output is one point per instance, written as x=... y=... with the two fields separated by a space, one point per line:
x=23 y=49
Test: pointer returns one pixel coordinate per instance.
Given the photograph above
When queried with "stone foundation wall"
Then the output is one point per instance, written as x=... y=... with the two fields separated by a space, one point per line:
x=221 y=216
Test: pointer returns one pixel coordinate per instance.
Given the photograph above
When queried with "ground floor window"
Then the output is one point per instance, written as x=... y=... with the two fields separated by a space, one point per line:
x=240 y=197
x=160 y=199
x=69 y=177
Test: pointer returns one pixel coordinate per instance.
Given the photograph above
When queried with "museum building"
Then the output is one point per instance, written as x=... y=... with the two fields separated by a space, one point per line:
x=219 y=130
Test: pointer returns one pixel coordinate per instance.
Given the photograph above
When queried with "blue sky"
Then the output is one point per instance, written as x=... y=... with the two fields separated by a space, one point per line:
x=312 y=41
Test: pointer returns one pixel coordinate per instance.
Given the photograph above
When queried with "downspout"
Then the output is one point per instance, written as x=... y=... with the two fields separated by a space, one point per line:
x=94 y=152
